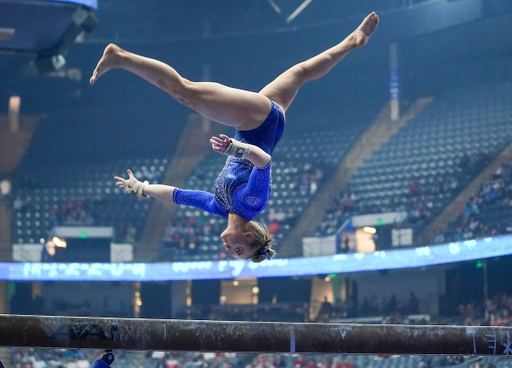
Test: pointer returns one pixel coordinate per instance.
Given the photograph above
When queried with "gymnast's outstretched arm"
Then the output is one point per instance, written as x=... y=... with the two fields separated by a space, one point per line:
x=168 y=193
x=159 y=191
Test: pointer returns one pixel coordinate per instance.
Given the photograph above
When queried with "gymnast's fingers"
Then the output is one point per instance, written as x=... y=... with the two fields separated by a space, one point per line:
x=217 y=139
x=218 y=148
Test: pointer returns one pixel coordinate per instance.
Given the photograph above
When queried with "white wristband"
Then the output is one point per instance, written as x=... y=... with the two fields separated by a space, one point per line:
x=138 y=189
x=237 y=149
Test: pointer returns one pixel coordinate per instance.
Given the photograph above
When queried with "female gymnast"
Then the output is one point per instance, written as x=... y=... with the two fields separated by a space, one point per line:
x=243 y=187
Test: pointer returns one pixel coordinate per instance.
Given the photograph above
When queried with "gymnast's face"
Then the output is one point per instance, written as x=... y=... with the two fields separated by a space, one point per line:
x=238 y=243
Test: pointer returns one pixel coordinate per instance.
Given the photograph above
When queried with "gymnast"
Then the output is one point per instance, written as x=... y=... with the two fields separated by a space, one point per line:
x=243 y=187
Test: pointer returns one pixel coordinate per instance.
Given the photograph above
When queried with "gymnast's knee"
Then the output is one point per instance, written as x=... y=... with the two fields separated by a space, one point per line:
x=184 y=91
x=300 y=73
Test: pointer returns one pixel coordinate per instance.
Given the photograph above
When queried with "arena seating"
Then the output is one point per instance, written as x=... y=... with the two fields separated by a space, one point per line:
x=488 y=213
x=430 y=149
x=60 y=357
x=445 y=146
x=41 y=195
x=79 y=194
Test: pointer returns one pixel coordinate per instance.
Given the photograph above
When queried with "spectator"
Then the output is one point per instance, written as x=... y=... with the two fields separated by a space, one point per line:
x=39 y=362
x=414 y=305
x=311 y=364
x=83 y=362
x=335 y=363
x=392 y=303
x=299 y=362
x=347 y=364
x=273 y=228
x=71 y=363
x=413 y=188
x=326 y=306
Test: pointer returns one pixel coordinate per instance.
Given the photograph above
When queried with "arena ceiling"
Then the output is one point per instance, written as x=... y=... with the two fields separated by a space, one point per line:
x=234 y=27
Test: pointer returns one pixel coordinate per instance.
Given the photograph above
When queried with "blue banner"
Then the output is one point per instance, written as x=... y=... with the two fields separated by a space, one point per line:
x=339 y=263
x=394 y=93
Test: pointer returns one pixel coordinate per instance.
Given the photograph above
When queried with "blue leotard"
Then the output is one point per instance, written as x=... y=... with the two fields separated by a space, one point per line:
x=241 y=187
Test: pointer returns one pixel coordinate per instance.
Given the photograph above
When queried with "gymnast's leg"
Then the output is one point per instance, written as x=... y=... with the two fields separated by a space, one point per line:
x=229 y=106
x=241 y=109
x=284 y=88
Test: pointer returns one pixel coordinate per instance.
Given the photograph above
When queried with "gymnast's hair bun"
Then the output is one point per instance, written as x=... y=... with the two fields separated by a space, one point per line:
x=261 y=254
x=262 y=242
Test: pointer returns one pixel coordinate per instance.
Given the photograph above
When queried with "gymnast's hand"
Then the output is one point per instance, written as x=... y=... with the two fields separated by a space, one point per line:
x=220 y=144
x=130 y=182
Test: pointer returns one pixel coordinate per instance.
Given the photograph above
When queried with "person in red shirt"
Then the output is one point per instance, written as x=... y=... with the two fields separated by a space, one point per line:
x=347 y=364
x=299 y=362
x=335 y=363
x=311 y=364
x=273 y=228
x=413 y=188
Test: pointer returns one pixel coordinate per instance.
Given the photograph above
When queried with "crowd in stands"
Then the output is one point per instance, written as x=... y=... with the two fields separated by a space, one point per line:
x=126 y=233
x=184 y=232
x=419 y=202
x=276 y=219
x=485 y=213
x=75 y=212
x=81 y=194
x=50 y=358
x=67 y=358
x=496 y=311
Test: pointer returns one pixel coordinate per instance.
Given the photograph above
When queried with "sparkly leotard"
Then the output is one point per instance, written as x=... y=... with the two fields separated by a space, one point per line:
x=241 y=187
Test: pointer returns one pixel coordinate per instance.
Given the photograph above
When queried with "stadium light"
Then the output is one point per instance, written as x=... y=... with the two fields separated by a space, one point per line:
x=14 y=113
x=370 y=230
x=59 y=242
x=298 y=11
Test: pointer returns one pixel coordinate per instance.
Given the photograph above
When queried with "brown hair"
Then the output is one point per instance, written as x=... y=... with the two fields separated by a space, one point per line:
x=262 y=241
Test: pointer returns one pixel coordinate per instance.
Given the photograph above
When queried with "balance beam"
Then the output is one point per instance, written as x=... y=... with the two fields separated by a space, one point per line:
x=258 y=337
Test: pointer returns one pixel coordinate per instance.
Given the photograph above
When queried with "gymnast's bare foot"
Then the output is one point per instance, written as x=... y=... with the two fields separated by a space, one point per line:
x=365 y=30
x=111 y=59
